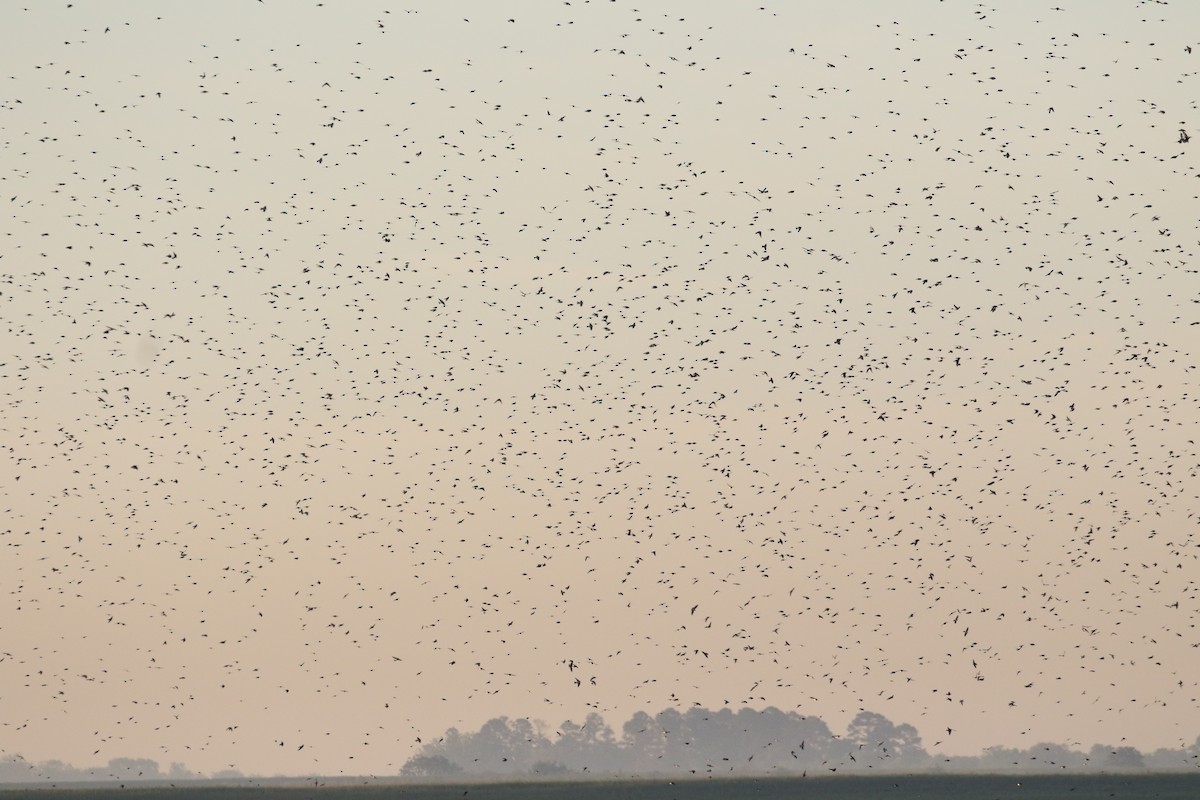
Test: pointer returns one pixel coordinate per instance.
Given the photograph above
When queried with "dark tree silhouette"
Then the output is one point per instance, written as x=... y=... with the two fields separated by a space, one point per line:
x=878 y=739
x=700 y=741
x=421 y=766
x=1117 y=758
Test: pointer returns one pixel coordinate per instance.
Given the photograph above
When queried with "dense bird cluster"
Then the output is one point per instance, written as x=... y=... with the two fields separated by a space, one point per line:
x=367 y=369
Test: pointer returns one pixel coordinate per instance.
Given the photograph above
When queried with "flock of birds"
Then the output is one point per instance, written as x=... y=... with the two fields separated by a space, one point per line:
x=369 y=370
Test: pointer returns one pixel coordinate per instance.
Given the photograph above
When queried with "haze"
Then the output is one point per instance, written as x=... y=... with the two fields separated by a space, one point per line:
x=370 y=370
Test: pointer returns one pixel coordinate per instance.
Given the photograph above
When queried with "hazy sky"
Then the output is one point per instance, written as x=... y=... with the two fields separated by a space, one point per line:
x=363 y=365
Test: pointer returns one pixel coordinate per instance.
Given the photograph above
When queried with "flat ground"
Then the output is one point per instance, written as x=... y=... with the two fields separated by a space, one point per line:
x=895 y=787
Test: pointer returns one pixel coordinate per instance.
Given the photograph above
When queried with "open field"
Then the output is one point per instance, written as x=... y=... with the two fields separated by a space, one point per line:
x=895 y=787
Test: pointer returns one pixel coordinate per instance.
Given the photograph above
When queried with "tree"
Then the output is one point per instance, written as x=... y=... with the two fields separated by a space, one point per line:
x=1048 y=756
x=591 y=746
x=711 y=733
x=1000 y=759
x=881 y=739
x=180 y=772
x=422 y=766
x=675 y=744
x=1165 y=759
x=134 y=768
x=1124 y=758
x=642 y=741
x=15 y=769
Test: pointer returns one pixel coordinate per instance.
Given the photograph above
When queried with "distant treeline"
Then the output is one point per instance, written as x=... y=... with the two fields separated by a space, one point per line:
x=15 y=769
x=697 y=742
x=744 y=742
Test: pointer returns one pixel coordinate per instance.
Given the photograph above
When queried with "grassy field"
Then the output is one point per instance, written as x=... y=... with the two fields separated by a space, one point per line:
x=895 y=787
